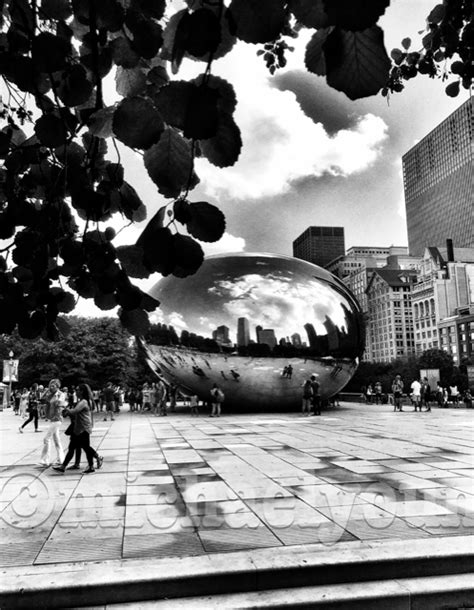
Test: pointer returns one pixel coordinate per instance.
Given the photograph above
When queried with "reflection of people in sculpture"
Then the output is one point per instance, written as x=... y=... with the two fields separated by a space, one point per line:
x=198 y=371
x=287 y=372
x=234 y=374
x=217 y=398
x=223 y=375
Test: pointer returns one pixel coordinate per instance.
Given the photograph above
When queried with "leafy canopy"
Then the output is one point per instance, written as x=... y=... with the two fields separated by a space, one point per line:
x=58 y=184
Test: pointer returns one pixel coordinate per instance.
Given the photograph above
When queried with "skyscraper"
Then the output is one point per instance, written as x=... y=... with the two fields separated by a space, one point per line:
x=438 y=176
x=320 y=245
x=243 y=332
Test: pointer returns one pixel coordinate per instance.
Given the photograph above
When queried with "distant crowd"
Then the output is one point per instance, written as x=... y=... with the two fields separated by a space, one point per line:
x=418 y=394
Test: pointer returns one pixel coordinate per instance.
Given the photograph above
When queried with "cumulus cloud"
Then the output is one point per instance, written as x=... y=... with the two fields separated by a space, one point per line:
x=280 y=143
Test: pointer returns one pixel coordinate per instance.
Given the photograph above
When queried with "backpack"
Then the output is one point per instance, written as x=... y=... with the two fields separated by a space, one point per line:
x=218 y=395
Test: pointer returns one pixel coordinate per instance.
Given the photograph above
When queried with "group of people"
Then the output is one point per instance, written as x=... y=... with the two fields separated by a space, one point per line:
x=422 y=396
x=56 y=403
x=311 y=400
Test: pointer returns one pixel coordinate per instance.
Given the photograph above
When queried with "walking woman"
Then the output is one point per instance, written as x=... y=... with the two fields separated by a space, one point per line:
x=33 y=406
x=82 y=414
x=55 y=403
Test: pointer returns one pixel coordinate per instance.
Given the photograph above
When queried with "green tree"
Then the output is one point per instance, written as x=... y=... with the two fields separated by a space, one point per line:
x=95 y=351
x=438 y=359
x=54 y=57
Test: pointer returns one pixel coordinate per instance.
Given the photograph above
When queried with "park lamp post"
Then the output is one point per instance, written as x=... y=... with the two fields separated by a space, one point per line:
x=10 y=368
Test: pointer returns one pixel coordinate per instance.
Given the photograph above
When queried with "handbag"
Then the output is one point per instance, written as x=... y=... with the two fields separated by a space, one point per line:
x=68 y=430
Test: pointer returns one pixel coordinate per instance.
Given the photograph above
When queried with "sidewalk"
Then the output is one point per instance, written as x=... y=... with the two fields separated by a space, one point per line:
x=182 y=486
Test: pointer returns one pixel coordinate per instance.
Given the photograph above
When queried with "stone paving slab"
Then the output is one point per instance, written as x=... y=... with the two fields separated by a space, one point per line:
x=180 y=486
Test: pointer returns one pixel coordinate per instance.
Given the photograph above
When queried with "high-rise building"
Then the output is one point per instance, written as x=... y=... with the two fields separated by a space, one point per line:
x=267 y=335
x=320 y=245
x=443 y=302
x=438 y=176
x=390 y=316
x=243 y=332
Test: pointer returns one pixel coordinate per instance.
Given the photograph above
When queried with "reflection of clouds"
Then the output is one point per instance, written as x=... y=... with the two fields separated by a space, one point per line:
x=173 y=318
x=280 y=302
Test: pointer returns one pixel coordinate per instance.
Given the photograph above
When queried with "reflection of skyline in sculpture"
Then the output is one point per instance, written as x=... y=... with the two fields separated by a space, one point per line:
x=239 y=312
x=333 y=325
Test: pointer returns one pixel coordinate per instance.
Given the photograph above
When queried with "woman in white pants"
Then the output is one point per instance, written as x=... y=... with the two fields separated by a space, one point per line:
x=56 y=401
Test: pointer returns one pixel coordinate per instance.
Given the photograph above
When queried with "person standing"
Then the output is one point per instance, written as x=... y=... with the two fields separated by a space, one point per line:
x=378 y=393
x=316 y=397
x=24 y=400
x=397 y=389
x=109 y=401
x=425 y=394
x=217 y=398
x=161 y=396
x=56 y=401
x=82 y=427
x=194 y=404
x=306 y=398
x=33 y=406
x=369 y=393
x=453 y=390
x=416 y=394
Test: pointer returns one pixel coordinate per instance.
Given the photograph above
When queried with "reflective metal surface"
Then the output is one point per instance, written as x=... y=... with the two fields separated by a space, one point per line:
x=258 y=325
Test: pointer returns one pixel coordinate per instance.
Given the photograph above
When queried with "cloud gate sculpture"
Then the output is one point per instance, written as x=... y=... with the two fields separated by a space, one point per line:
x=258 y=325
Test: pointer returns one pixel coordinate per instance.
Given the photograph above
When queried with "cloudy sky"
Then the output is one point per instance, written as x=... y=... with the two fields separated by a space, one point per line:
x=311 y=156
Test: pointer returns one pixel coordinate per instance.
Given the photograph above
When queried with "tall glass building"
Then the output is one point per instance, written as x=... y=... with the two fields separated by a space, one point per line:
x=320 y=245
x=438 y=176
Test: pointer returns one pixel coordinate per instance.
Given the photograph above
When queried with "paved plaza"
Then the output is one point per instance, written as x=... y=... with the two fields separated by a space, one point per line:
x=186 y=486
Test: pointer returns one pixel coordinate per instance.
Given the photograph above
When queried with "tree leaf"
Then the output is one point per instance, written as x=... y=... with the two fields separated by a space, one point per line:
x=314 y=59
x=51 y=130
x=224 y=148
x=354 y=15
x=256 y=20
x=172 y=100
x=188 y=255
x=130 y=82
x=169 y=162
x=226 y=98
x=74 y=88
x=181 y=211
x=50 y=52
x=130 y=203
x=149 y=303
x=147 y=34
x=123 y=54
x=310 y=13
x=453 y=89
x=100 y=123
x=150 y=8
x=105 y=301
x=357 y=63
x=201 y=113
x=131 y=259
x=436 y=15
x=158 y=252
x=204 y=33
x=135 y=321
x=137 y=123
x=206 y=223
x=55 y=9
x=406 y=43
